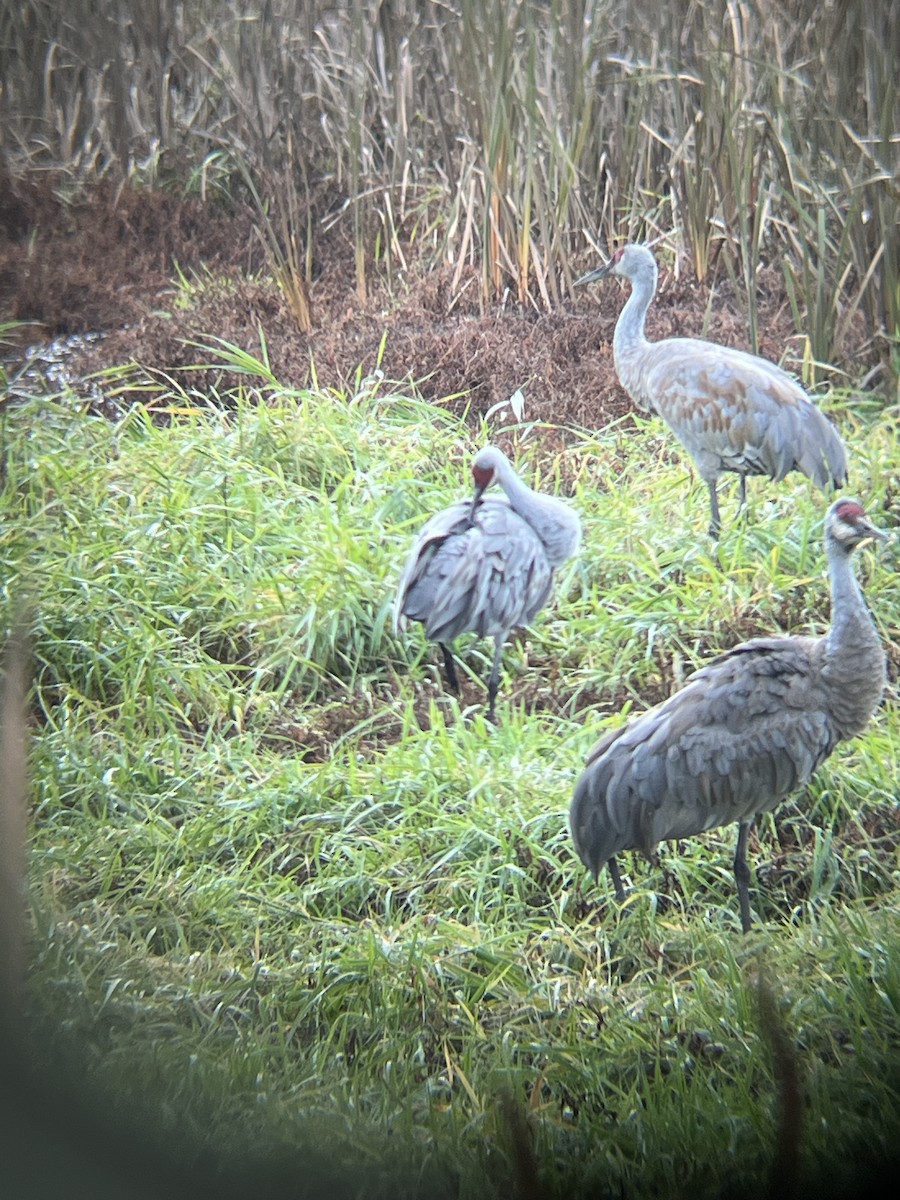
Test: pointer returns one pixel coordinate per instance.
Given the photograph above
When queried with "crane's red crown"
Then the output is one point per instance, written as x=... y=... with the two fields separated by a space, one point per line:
x=482 y=476
x=850 y=510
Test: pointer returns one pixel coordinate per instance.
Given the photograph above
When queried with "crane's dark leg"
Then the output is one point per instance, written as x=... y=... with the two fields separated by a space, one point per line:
x=743 y=496
x=450 y=667
x=613 y=867
x=715 y=524
x=494 y=677
x=742 y=874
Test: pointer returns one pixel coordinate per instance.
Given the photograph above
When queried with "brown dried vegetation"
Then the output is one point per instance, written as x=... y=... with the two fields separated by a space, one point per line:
x=107 y=262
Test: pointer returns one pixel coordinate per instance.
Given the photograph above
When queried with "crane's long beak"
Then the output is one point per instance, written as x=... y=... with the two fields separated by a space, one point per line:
x=872 y=531
x=479 y=492
x=483 y=477
x=597 y=273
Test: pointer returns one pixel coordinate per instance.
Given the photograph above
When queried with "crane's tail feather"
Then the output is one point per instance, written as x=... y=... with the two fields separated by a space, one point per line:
x=821 y=454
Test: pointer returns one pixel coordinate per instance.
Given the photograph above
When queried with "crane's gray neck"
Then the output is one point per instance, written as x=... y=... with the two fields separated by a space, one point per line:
x=629 y=339
x=519 y=494
x=854 y=657
x=553 y=521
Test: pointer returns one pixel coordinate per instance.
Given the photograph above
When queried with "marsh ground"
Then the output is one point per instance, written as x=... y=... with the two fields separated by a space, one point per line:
x=106 y=264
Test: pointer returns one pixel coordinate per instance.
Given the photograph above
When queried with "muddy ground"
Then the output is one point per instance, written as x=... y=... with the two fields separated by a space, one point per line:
x=105 y=263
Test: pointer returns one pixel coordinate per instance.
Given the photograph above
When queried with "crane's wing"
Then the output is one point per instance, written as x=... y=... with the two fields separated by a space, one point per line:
x=483 y=574
x=734 y=411
x=437 y=529
x=745 y=731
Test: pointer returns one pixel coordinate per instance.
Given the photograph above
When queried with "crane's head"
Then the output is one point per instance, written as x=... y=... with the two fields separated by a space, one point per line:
x=627 y=261
x=848 y=526
x=488 y=464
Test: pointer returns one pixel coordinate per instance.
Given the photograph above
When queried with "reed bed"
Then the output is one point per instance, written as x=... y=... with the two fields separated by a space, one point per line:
x=508 y=136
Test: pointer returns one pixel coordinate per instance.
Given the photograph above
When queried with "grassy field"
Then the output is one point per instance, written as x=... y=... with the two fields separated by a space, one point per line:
x=313 y=922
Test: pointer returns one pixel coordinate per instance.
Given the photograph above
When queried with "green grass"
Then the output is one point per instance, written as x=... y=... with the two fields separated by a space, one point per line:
x=294 y=906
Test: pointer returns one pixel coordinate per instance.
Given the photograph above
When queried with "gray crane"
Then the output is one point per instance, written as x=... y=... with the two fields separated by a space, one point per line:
x=486 y=566
x=744 y=732
x=730 y=410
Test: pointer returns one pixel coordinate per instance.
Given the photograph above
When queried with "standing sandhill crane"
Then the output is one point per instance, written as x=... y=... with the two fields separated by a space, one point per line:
x=743 y=733
x=486 y=566
x=730 y=410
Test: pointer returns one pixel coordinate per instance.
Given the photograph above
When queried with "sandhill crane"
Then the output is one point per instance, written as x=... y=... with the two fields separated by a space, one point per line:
x=744 y=732
x=730 y=410
x=486 y=566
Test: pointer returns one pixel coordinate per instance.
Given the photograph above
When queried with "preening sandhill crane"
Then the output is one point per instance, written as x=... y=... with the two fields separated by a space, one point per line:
x=730 y=410
x=744 y=732
x=486 y=566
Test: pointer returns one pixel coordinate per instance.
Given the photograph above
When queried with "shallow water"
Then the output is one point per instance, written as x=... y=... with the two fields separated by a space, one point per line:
x=44 y=369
